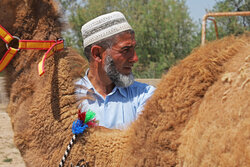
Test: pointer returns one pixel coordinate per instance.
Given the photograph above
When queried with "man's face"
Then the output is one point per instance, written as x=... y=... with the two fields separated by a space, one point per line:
x=120 y=59
x=123 y=53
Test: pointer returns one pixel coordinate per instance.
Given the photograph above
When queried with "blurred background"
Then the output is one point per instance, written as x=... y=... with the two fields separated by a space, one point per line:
x=166 y=30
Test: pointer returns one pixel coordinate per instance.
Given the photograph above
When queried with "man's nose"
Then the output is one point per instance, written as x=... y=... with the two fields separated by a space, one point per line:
x=134 y=58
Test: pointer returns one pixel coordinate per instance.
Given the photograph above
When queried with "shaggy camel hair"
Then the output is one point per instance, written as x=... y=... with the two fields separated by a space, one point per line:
x=198 y=116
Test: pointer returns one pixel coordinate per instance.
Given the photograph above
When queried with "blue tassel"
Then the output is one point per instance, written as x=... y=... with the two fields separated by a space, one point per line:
x=78 y=127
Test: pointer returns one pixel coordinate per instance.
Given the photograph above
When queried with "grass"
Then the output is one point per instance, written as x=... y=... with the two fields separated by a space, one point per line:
x=7 y=159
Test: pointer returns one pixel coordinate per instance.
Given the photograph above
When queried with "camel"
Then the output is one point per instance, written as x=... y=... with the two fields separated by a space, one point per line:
x=198 y=116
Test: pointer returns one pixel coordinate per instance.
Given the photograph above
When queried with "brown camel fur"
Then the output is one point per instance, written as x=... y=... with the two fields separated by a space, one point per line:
x=198 y=115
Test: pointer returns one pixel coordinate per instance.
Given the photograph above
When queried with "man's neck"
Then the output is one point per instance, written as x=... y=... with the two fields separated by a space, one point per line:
x=101 y=82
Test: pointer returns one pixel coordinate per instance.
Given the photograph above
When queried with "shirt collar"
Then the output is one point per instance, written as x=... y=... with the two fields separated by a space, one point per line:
x=89 y=85
x=122 y=91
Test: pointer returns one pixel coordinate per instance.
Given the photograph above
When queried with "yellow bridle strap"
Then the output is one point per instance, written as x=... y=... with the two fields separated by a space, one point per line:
x=5 y=35
x=50 y=46
x=35 y=44
x=55 y=47
x=7 y=57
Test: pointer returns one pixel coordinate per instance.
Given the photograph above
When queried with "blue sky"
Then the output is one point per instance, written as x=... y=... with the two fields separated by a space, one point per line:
x=197 y=8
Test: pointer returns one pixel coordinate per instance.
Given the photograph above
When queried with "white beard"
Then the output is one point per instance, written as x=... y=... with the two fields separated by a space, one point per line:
x=120 y=80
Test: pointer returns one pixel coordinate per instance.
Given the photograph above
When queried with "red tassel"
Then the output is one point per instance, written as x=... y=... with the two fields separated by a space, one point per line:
x=92 y=123
x=81 y=115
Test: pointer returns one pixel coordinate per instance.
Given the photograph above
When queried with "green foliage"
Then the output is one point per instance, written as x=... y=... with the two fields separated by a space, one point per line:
x=230 y=25
x=164 y=30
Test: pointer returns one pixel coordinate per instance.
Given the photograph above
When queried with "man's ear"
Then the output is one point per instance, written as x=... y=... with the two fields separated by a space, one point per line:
x=96 y=53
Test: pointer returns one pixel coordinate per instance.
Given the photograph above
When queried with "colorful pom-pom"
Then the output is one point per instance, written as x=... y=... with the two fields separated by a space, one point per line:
x=78 y=127
x=81 y=115
x=89 y=116
x=85 y=119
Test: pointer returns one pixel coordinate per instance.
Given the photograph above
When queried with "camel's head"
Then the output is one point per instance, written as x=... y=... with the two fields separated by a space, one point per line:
x=29 y=20
x=8 y=11
x=7 y=20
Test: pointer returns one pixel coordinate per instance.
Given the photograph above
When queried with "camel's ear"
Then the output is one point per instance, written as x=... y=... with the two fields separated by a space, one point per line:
x=96 y=53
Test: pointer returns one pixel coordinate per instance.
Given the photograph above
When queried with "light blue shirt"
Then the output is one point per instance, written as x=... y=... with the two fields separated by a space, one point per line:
x=120 y=107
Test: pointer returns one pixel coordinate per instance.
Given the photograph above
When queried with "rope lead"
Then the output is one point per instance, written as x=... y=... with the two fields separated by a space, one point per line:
x=85 y=120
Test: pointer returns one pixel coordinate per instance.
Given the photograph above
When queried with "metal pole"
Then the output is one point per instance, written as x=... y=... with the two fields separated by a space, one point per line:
x=215 y=27
x=218 y=14
x=203 y=30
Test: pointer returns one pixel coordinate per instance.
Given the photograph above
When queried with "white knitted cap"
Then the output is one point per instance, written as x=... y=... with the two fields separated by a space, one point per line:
x=104 y=26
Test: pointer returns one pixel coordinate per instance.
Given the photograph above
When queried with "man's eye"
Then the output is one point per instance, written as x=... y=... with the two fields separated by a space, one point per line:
x=125 y=50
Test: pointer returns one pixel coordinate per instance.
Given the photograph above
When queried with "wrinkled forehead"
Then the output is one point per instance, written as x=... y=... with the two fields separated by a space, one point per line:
x=124 y=36
x=125 y=39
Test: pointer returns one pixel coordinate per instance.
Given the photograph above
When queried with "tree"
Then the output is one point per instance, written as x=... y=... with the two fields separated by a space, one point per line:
x=164 y=30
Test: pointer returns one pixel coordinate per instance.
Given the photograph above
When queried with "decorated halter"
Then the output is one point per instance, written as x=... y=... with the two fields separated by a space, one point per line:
x=85 y=120
x=51 y=46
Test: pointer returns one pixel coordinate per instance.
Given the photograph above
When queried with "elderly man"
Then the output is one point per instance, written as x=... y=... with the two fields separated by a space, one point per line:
x=109 y=45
